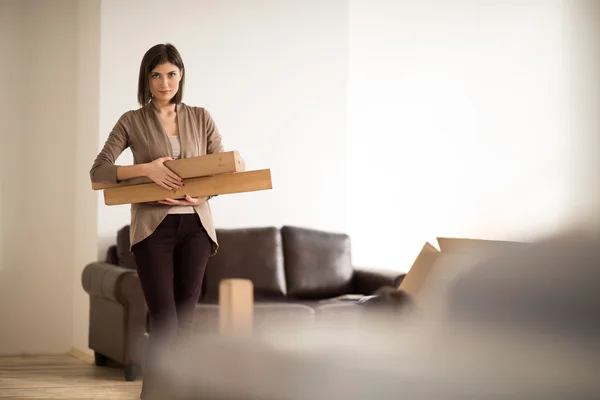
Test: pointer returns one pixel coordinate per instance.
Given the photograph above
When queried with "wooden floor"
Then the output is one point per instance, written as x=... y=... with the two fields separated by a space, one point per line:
x=62 y=377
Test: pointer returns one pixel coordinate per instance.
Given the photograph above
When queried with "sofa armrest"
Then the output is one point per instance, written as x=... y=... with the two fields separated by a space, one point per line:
x=112 y=282
x=118 y=311
x=367 y=281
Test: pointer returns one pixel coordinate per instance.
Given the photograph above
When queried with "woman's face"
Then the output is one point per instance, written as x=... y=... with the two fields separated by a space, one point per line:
x=164 y=81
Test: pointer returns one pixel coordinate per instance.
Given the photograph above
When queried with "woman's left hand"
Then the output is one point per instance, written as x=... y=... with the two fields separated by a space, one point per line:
x=188 y=201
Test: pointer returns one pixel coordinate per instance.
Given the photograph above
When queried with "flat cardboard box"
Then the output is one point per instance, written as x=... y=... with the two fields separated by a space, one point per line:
x=238 y=182
x=462 y=251
x=418 y=272
x=479 y=246
x=191 y=167
x=434 y=272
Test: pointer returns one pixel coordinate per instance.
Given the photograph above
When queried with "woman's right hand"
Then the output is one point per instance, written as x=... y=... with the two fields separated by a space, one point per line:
x=162 y=175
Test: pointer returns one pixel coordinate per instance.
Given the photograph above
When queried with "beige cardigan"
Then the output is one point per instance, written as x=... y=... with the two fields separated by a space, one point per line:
x=141 y=131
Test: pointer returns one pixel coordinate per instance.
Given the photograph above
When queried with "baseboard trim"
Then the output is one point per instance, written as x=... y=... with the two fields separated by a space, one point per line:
x=81 y=355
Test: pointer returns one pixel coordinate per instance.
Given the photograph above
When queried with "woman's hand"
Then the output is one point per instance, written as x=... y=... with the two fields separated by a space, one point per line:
x=162 y=175
x=189 y=201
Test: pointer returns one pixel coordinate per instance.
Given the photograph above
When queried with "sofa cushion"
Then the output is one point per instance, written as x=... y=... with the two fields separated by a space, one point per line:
x=111 y=255
x=318 y=264
x=125 y=258
x=265 y=315
x=247 y=253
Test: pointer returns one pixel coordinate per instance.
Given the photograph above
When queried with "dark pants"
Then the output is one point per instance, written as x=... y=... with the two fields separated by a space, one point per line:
x=171 y=263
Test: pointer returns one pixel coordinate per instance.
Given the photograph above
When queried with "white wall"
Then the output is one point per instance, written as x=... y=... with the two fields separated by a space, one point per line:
x=456 y=123
x=12 y=280
x=10 y=18
x=36 y=285
x=85 y=242
x=272 y=73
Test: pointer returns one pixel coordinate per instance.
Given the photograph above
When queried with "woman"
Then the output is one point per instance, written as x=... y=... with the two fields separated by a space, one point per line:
x=171 y=240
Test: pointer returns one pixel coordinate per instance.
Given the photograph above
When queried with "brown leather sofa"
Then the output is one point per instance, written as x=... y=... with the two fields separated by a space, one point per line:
x=293 y=270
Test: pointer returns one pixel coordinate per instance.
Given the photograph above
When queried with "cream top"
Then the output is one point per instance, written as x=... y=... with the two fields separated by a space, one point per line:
x=176 y=146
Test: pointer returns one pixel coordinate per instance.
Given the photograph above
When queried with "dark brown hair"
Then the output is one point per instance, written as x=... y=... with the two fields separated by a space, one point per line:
x=158 y=54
